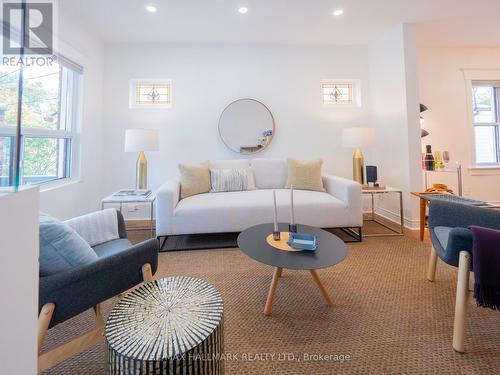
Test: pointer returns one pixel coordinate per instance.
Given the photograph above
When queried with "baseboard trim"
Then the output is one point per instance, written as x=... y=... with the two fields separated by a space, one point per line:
x=394 y=218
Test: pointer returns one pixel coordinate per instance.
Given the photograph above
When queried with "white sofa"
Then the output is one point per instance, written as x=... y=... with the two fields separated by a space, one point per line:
x=339 y=206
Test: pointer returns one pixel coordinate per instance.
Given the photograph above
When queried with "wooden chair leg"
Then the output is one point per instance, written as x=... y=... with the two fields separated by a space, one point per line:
x=56 y=355
x=461 y=302
x=147 y=273
x=431 y=271
x=43 y=323
x=59 y=353
x=280 y=272
x=98 y=315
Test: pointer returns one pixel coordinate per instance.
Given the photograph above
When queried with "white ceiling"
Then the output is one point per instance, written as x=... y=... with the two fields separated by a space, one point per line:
x=439 y=22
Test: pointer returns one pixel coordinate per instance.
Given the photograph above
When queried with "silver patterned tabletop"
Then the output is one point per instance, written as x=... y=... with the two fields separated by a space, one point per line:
x=167 y=326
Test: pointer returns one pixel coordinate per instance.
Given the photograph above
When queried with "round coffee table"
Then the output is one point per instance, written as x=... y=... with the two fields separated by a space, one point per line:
x=330 y=251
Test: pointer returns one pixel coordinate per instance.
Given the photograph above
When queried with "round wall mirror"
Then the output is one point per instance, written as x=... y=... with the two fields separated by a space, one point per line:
x=246 y=126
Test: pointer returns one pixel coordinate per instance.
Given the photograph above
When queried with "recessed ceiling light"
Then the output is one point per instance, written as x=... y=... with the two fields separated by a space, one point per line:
x=151 y=9
x=338 y=12
x=243 y=10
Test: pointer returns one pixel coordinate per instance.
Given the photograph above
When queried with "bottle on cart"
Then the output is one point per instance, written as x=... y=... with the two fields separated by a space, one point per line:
x=429 y=159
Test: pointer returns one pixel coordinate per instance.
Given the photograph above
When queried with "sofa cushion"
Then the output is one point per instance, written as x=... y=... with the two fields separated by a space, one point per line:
x=269 y=173
x=195 y=179
x=305 y=175
x=236 y=211
x=230 y=164
x=61 y=248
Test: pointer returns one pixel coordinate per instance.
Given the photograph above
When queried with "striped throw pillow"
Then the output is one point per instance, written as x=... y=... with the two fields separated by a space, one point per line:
x=228 y=180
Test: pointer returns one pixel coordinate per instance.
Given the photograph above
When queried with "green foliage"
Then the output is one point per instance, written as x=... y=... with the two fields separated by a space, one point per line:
x=40 y=110
x=40 y=157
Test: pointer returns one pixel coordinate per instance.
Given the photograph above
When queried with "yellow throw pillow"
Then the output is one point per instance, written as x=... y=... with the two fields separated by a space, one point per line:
x=305 y=175
x=195 y=179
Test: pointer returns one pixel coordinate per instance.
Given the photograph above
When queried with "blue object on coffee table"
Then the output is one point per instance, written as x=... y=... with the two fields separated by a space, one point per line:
x=302 y=241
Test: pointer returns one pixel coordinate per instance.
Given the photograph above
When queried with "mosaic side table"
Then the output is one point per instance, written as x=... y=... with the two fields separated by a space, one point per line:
x=168 y=326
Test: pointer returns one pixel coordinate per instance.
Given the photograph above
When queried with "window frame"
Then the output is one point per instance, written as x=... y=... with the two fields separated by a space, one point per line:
x=356 y=92
x=472 y=76
x=70 y=136
x=133 y=103
x=495 y=124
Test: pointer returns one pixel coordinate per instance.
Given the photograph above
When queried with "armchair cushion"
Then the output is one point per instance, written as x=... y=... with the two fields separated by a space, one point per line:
x=61 y=248
x=448 y=242
x=112 y=247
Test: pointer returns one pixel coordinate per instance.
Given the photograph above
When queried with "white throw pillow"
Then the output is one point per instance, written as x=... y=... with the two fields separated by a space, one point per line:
x=229 y=179
x=236 y=164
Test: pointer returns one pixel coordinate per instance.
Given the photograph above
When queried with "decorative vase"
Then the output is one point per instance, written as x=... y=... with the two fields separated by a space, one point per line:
x=276 y=231
x=292 y=227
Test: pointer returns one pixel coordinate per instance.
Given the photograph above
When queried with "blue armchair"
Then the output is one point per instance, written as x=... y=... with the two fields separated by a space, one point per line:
x=452 y=242
x=119 y=267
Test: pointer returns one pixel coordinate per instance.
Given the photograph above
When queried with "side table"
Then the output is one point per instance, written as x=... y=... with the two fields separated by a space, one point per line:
x=386 y=190
x=426 y=198
x=121 y=200
x=167 y=326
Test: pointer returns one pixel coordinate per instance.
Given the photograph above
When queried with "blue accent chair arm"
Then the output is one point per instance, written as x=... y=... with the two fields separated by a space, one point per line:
x=77 y=290
x=449 y=214
x=459 y=239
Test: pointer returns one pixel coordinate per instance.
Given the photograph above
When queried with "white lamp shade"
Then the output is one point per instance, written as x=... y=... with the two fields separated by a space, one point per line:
x=137 y=140
x=358 y=137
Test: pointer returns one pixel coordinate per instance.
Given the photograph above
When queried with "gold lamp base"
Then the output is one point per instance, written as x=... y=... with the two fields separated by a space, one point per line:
x=141 y=172
x=358 y=166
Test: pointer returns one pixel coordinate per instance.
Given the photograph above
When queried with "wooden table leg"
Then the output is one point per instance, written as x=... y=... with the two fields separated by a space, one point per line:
x=280 y=272
x=272 y=290
x=423 y=207
x=324 y=292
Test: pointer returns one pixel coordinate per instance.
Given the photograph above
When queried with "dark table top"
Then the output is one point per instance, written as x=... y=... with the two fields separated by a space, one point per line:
x=331 y=249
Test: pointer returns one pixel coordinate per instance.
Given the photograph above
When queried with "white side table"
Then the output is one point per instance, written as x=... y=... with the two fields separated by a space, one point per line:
x=121 y=200
x=387 y=190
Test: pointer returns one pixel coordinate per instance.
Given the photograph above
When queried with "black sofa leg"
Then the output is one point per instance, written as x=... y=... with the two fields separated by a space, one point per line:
x=162 y=242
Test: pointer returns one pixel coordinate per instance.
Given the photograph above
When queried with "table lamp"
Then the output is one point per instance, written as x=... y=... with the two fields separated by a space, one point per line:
x=357 y=138
x=140 y=140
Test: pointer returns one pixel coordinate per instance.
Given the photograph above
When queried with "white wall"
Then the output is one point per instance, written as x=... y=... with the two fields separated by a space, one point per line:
x=394 y=115
x=19 y=282
x=443 y=91
x=84 y=194
x=208 y=77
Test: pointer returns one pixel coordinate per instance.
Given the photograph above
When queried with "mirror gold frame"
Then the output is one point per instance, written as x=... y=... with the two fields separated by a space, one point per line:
x=247 y=149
